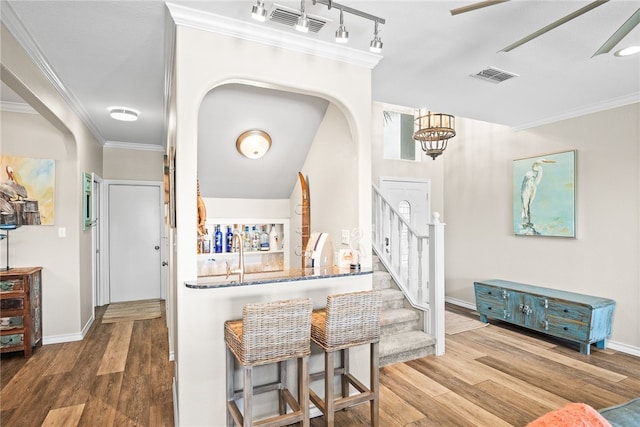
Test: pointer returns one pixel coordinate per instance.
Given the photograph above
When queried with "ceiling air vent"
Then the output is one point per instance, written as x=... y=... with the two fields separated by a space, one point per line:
x=494 y=75
x=289 y=17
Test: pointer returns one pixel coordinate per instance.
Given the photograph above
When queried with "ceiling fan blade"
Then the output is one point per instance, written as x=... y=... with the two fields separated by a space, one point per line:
x=555 y=24
x=475 y=6
x=619 y=34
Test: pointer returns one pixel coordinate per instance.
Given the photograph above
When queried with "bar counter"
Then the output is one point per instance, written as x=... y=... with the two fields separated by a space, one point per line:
x=207 y=302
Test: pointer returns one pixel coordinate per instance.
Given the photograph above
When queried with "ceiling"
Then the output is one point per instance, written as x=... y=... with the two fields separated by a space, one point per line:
x=110 y=53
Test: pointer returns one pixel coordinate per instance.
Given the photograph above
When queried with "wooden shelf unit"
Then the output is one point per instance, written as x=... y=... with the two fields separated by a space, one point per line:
x=20 y=309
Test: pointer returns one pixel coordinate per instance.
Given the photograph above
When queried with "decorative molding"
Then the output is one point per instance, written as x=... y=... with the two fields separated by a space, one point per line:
x=22 y=35
x=460 y=303
x=59 y=339
x=17 y=107
x=594 y=108
x=133 y=146
x=218 y=24
x=624 y=348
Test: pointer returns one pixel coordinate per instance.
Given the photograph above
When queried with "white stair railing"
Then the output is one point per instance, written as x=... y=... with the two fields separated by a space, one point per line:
x=414 y=260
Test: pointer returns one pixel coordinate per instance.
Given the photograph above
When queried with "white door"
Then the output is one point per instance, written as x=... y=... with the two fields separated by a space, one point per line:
x=412 y=196
x=134 y=242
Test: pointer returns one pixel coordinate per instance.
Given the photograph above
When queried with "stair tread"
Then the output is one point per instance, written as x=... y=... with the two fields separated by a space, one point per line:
x=391 y=294
x=398 y=315
x=406 y=341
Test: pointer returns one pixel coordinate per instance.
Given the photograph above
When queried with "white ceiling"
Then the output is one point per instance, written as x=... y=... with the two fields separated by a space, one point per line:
x=110 y=53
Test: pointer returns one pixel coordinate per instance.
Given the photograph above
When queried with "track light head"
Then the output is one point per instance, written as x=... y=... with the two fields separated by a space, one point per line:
x=376 y=43
x=342 y=35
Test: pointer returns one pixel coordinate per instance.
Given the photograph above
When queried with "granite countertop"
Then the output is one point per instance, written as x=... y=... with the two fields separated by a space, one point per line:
x=212 y=282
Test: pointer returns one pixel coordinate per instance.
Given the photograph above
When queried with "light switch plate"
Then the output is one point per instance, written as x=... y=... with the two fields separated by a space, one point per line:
x=62 y=232
x=345 y=237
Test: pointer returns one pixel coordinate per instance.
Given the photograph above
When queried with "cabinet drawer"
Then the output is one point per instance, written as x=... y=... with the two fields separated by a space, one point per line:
x=11 y=340
x=12 y=304
x=496 y=310
x=489 y=293
x=570 y=312
x=577 y=331
x=11 y=285
x=11 y=322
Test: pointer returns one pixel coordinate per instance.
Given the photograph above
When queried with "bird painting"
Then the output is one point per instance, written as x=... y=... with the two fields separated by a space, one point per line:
x=528 y=190
x=544 y=206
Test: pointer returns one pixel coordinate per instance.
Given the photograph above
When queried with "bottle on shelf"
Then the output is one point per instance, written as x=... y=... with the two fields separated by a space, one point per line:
x=273 y=238
x=228 y=247
x=264 y=239
x=246 y=238
x=255 y=239
x=218 y=240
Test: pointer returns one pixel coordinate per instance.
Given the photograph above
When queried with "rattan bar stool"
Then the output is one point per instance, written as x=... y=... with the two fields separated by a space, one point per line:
x=349 y=320
x=271 y=332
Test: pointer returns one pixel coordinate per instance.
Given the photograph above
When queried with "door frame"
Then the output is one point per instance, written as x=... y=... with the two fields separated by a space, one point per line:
x=99 y=261
x=106 y=244
x=426 y=181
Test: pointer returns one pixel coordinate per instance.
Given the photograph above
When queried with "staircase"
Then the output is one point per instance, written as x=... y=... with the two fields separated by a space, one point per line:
x=401 y=336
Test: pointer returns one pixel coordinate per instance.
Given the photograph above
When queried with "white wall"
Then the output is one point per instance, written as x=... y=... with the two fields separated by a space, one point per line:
x=602 y=260
x=197 y=72
x=132 y=164
x=67 y=272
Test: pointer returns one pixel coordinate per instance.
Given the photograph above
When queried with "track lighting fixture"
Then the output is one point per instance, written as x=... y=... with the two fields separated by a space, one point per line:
x=303 y=23
x=258 y=12
x=376 y=43
x=342 y=35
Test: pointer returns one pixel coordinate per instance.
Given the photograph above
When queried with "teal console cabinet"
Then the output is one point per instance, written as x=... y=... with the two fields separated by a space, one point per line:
x=576 y=317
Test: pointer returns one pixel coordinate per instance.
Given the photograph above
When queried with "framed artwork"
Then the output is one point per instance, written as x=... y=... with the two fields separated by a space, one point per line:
x=27 y=190
x=544 y=195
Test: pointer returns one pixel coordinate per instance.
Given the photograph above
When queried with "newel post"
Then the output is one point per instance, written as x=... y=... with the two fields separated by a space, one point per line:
x=436 y=282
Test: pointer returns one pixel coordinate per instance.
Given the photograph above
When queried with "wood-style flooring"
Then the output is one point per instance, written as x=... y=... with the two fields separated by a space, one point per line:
x=119 y=375
x=494 y=376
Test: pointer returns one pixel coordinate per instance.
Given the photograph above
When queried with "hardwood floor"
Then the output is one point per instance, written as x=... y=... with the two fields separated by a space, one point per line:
x=119 y=375
x=494 y=376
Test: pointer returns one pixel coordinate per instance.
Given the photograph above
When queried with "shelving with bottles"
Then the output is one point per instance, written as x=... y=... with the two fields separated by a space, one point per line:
x=262 y=253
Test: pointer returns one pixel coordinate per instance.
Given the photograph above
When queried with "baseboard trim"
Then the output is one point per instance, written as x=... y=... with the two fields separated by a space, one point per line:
x=59 y=339
x=176 y=418
x=461 y=303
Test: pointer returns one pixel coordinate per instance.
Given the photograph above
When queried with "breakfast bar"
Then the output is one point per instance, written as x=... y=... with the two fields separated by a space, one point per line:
x=210 y=301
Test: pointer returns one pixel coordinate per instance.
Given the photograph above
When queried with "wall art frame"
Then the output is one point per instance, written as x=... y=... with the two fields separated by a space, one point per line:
x=544 y=195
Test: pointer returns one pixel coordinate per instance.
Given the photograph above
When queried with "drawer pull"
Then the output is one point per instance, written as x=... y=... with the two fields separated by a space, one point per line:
x=546 y=325
x=545 y=304
x=489 y=293
x=505 y=294
x=566 y=328
x=488 y=308
x=565 y=310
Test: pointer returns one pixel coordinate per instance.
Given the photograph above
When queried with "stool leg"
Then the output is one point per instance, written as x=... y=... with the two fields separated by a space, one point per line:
x=247 y=396
x=230 y=385
x=282 y=378
x=303 y=389
x=344 y=360
x=375 y=385
x=329 y=398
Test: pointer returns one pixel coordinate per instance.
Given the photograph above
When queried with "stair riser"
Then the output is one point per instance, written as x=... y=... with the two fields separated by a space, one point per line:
x=382 y=282
x=393 y=304
x=406 y=356
x=399 y=327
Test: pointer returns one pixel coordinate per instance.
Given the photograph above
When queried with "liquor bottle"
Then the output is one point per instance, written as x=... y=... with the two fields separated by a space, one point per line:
x=218 y=240
x=273 y=238
x=264 y=239
x=229 y=239
x=255 y=239
x=246 y=238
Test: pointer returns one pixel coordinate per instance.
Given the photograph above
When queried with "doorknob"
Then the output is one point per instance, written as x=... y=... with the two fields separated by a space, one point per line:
x=165 y=263
x=156 y=248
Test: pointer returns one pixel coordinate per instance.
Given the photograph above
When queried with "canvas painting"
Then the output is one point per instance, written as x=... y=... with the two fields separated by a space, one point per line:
x=27 y=191
x=544 y=195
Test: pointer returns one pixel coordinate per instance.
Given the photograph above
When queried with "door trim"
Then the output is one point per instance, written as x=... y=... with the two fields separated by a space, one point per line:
x=106 y=243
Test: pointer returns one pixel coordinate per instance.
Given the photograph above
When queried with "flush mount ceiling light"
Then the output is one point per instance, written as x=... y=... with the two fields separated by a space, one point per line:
x=434 y=131
x=342 y=35
x=253 y=144
x=124 y=114
x=631 y=50
x=258 y=12
x=304 y=22
x=376 y=43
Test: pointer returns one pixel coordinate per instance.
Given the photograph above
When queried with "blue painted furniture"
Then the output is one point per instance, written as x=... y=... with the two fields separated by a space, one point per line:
x=575 y=317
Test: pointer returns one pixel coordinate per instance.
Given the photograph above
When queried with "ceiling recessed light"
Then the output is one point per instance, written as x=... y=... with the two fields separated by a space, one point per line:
x=631 y=50
x=124 y=114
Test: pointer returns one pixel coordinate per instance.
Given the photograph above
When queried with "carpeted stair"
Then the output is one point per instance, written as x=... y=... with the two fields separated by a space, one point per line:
x=401 y=339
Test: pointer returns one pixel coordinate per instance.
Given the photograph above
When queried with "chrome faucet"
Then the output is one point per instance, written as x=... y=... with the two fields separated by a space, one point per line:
x=237 y=239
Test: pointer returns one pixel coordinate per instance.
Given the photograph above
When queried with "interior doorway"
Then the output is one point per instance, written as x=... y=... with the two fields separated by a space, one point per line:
x=99 y=289
x=412 y=196
x=135 y=229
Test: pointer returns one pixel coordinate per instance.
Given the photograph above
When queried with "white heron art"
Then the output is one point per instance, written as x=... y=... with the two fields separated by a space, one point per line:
x=528 y=190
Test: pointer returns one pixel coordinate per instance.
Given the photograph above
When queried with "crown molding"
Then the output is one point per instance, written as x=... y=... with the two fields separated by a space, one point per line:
x=17 y=107
x=133 y=146
x=22 y=35
x=214 y=23
x=620 y=101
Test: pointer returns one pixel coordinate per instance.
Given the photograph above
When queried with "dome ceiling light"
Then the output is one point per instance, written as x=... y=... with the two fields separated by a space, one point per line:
x=123 y=114
x=253 y=144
